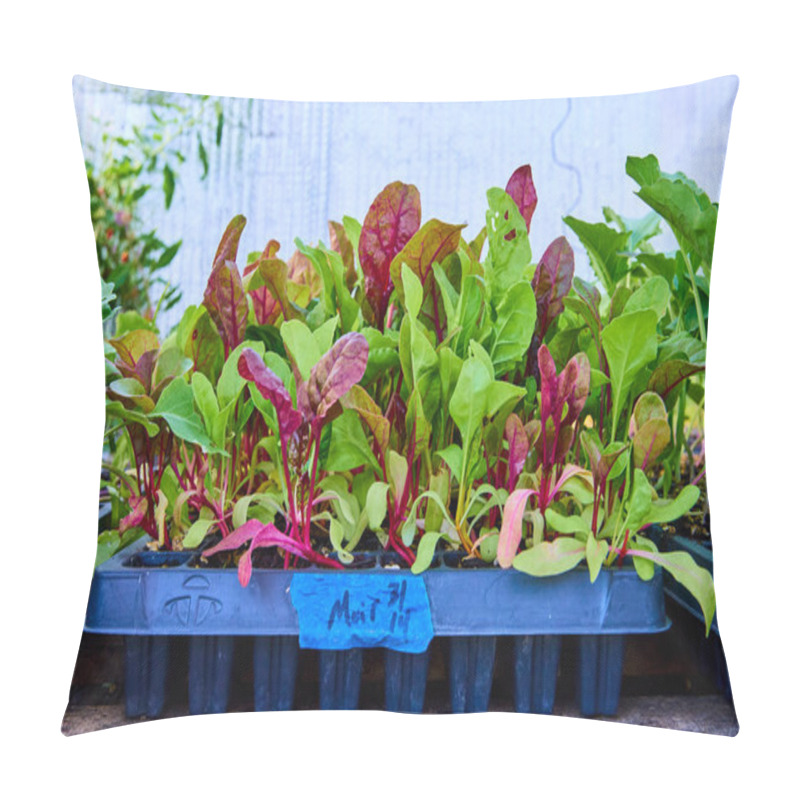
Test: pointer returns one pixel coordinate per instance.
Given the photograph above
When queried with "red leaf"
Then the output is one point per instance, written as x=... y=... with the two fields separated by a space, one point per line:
x=669 y=375
x=270 y=251
x=229 y=244
x=433 y=242
x=570 y=387
x=341 y=368
x=341 y=244
x=392 y=219
x=511 y=529
x=252 y=368
x=521 y=189
x=264 y=535
x=226 y=303
x=518 y=447
x=138 y=510
x=552 y=282
x=236 y=539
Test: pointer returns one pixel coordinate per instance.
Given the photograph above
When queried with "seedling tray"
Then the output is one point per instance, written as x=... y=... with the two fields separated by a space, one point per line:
x=702 y=553
x=153 y=593
x=149 y=596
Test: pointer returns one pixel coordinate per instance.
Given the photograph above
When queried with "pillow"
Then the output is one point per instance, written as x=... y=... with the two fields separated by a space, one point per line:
x=404 y=406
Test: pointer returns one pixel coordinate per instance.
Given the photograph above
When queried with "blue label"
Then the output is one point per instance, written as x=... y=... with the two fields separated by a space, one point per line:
x=337 y=612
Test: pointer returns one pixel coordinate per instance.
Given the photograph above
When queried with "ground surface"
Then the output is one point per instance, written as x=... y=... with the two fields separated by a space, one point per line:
x=699 y=713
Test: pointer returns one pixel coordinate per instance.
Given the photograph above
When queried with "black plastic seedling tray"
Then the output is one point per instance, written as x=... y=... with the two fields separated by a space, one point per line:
x=702 y=554
x=144 y=594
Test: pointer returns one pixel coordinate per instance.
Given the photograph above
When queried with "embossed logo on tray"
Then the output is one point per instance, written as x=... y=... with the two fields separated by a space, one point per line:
x=193 y=608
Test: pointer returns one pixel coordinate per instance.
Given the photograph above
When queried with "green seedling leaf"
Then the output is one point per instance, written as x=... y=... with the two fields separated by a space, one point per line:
x=669 y=510
x=644 y=567
x=197 y=532
x=425 y=552
x=630 y=344
x=398 y=472
x=231 y=382
x=572 y=525
x=509 y=248
x=302 y=345
x=696 y=579
x=654 y=295
x=376 y=505
x=605 y=248
x=336 y=532
x=686 y=208
x=115 y=409
x=596 y=552
x=176 y=408
x=349 y=447
x=412 y=289
x=383 y=355
x=513 y=328
x=551 y=558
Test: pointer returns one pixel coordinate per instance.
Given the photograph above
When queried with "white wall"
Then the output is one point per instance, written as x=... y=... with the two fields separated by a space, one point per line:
x=289 y=167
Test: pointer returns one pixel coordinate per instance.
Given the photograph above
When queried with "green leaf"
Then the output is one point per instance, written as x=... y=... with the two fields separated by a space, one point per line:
x=397 y=468
x=425 y=552
x=685 y=207
x=551 y=558
x=231 y=383
x=376 y=505
x=115 y=409
x=206 y=399
x=596 y=553
x=412 y=289
x=301 y=345
x=197 y=532
x=470 y=397
x=169 y=185
x=508 y=257
x=453 y=456
x=176 y=408
x=630 y=344
x=383 y=355
x=639 y=502
x=352 y=227
x=111 y=542
x=501 y=393
x=604 y=246
x=513 y=329
x=336 y=532
x=349 y=447
x=696 y=579
x=653 y=294
x=201 y=151
x=669 y=510
x=645 y=568
x=569 y=525
x=220 y=123
x=168 y=254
